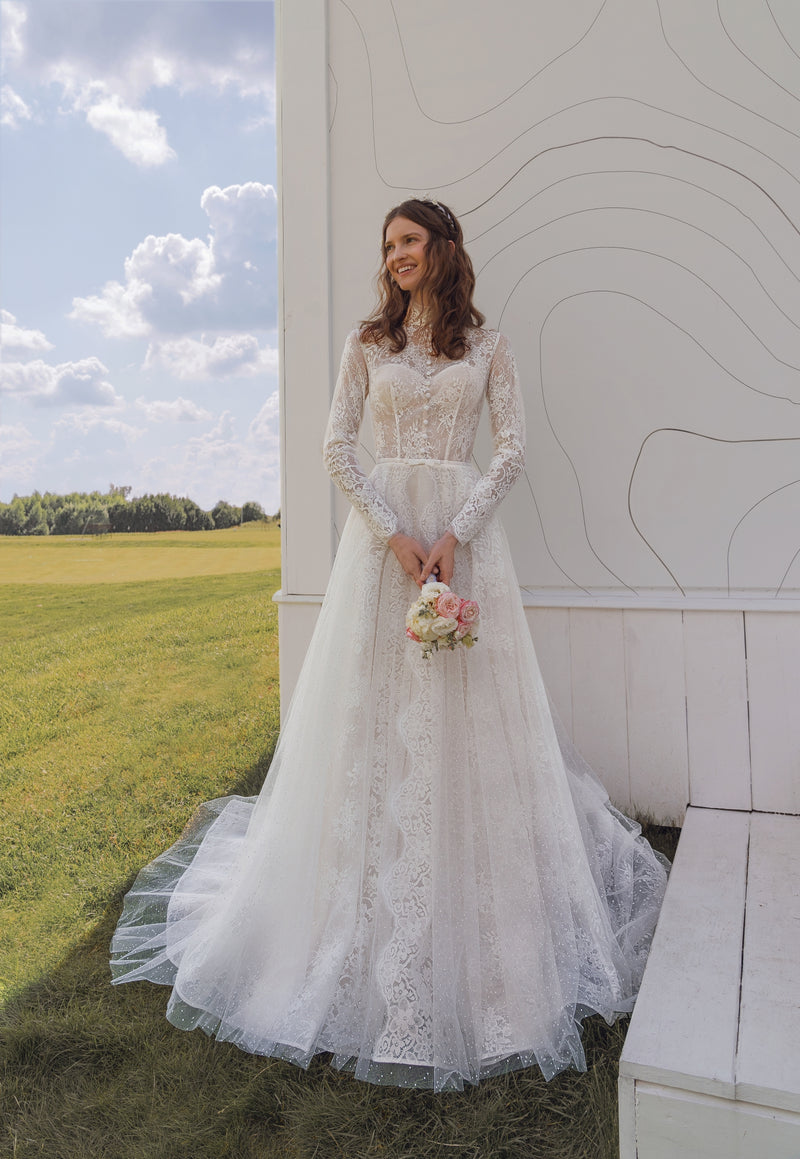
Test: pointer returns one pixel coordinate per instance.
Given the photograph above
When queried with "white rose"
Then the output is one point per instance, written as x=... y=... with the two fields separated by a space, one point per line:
x=420 y=625
x=434 y=588
x=443 y=625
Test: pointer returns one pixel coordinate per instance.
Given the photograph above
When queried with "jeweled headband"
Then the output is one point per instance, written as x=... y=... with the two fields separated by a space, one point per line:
x=445 y=212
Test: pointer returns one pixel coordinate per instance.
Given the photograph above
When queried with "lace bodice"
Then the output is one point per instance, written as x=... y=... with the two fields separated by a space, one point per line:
x=425 y=406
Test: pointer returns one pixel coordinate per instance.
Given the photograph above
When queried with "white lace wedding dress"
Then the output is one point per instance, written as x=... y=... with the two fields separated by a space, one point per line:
x=429 y=886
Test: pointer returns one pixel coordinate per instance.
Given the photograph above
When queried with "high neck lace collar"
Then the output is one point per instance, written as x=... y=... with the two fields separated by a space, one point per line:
x=417 y=318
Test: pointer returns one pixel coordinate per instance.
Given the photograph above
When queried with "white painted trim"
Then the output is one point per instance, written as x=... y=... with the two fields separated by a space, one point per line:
x=611 y=603
x=543 y=599
x=282 y=597
x=626 y=1095
x=306 y=366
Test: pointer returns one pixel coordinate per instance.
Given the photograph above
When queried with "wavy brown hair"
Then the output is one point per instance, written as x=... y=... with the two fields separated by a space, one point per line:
x=449 y=284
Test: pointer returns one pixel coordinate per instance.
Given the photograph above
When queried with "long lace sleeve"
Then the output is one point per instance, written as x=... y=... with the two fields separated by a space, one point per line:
x=341 y=440
x=507 y=417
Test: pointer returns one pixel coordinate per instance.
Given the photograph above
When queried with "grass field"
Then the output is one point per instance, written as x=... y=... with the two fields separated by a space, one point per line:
x=105 y=559
x=122 y=706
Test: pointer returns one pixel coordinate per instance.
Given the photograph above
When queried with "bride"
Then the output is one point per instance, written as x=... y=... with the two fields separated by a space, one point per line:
x=431 y=886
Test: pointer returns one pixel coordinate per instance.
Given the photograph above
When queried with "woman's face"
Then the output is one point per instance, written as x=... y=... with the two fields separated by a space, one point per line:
x=404 y=253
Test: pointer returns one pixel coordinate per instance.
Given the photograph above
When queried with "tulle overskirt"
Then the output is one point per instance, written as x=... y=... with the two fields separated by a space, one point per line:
x=431 y=886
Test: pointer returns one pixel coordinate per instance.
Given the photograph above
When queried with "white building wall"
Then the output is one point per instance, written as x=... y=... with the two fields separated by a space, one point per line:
x=627 y=179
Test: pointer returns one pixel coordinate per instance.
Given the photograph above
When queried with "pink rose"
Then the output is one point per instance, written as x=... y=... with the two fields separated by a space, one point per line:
x=413 y=635
x=469 y=612
x=448 y=605
x=462 y=630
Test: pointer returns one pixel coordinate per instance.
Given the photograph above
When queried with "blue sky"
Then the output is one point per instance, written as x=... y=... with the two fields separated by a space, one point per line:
x=137 y=248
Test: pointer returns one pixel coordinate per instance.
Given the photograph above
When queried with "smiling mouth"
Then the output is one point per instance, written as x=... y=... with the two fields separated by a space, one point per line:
x=405 y=270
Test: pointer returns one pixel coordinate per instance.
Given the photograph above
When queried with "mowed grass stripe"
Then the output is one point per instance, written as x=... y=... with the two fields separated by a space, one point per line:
x=102 y=559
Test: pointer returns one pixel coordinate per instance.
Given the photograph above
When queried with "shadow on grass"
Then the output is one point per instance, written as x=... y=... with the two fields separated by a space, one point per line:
x=92 y=1071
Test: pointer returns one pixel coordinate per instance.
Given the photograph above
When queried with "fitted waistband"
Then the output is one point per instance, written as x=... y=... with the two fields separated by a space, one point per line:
x=425 y=462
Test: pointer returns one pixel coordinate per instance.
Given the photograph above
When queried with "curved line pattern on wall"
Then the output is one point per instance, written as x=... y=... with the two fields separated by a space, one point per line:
x=651 y=172
x=745 y=108
x=759 y=503
x=692 y=273
x=333 y=97
x=792 y=562
x=754 y=63
x=626 y=174
x=498 y=104
x=700 y=435
x=783 y=36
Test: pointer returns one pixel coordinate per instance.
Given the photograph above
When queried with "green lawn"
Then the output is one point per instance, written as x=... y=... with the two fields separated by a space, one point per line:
x=122 y=706
x=75 y=559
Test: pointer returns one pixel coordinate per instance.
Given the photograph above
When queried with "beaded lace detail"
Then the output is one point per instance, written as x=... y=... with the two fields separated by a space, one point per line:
x=431 y=885
x=426 y=406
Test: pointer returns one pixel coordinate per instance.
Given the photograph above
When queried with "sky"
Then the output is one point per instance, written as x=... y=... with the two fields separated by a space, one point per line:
x=138 y=280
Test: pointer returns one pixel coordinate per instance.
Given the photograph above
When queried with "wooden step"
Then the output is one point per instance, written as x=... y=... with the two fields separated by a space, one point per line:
x=711 y=1063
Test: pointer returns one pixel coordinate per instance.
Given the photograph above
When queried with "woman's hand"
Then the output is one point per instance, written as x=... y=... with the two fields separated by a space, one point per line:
x=410 y=555
x=441 y=559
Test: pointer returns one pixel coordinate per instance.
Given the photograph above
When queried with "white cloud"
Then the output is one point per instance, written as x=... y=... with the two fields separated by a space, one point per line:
x=87 y=421
x=117 y=311
x=220 y=464
x=67 y=383
x=179 y=410
x=134 y=48
x=264 y=430
x=15 y=435
x=174 y=267
x=13 y=110
x=175 y=285
x=253 y=124
x=216 y=443
x=12 y=21
x=19 y=456
x=135 y=132
x=107 y=57
x=238 y=215
x=229 y=355
x=17 y=338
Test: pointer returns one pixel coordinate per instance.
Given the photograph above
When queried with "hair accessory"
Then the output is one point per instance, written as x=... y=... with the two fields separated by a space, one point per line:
x=445 y=212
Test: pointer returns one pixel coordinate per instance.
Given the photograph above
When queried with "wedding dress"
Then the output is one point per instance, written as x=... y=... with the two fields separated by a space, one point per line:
x=430 y=886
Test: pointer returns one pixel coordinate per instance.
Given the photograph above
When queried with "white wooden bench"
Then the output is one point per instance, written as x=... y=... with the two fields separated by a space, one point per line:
x=711 y=1063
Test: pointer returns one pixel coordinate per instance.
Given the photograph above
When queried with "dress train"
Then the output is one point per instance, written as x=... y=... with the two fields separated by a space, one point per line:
x=430 y=886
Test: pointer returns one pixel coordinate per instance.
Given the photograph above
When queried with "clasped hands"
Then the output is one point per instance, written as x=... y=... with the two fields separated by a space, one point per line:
x=420 y=564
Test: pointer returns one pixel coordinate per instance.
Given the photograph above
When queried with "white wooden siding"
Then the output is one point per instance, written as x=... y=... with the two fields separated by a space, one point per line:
x=716 y=710
x=773 y=667
x=599 y=697
x=668 y=705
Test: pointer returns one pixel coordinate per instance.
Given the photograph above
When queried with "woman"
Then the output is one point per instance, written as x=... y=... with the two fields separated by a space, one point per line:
x=429 y=886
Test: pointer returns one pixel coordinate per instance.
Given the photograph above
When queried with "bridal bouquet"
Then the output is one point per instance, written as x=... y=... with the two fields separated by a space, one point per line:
x=441 y=619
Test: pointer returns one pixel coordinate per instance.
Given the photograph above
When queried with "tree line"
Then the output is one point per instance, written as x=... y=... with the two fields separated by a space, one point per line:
x=95 y=513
